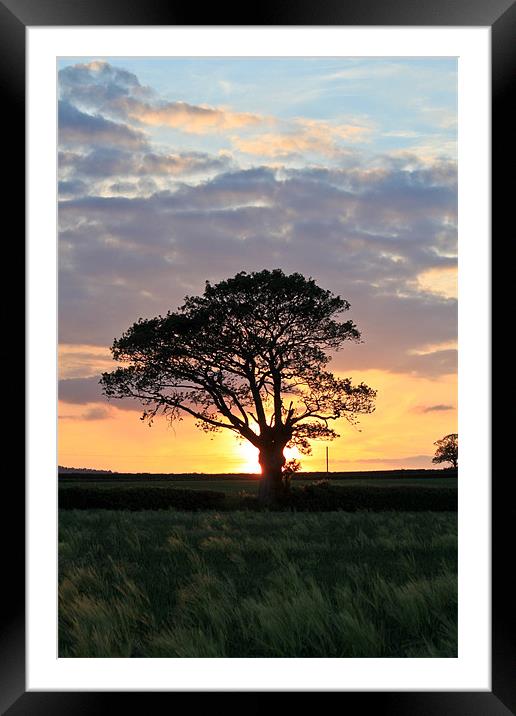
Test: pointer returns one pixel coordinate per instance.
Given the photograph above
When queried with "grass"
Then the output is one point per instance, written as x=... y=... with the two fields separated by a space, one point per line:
x=235 y=584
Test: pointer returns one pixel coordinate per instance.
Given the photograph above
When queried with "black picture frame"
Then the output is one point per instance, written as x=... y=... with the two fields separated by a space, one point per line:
x=500 y=16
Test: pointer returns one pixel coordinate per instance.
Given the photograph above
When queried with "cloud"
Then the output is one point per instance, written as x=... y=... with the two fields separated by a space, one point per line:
x=98 y=86
x=366 y=238
x=83 y=361
x=365 y=71
x=97 y=106
x=85 y=391
x=95 y=85
x=435 y=408
x=305 y=136
x=194 y=119
x=96 y=414
x=80 y=391
x=80 y=129
x=142 y=224
x=72 y=188
x=430 y=364
x=183 y=163
x=111 y=161
x=91 y=414
x=441 y=280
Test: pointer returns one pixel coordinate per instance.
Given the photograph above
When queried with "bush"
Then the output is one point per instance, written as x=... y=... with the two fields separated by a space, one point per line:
x=322 y=496
x=138 y=498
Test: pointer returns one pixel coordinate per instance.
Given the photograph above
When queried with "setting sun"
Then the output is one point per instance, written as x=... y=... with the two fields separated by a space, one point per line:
x=246 y=457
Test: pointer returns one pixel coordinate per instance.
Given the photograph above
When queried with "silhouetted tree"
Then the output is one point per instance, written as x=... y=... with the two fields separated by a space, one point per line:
x=447 y=450
x=248 y=356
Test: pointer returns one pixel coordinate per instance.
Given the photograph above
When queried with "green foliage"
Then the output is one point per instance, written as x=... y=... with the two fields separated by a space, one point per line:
x=184 y=584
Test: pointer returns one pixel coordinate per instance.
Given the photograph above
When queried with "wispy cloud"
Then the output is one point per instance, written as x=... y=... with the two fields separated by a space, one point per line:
x=186 y=117
x=440 y=408
x=303 y=136
x=95 y=413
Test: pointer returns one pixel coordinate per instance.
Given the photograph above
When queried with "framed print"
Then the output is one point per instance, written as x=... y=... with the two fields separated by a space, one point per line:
x=272 y=161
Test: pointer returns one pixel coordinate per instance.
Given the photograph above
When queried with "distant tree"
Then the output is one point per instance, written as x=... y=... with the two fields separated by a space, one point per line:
x=447 y=450
x=248 y=356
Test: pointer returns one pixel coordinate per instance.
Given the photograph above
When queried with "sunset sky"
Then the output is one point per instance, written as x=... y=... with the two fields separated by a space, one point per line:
x=173 y=171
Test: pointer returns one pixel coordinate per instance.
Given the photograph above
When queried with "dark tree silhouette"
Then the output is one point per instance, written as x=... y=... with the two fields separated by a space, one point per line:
x=290 y=467
x=249 y=356
x=447 y=450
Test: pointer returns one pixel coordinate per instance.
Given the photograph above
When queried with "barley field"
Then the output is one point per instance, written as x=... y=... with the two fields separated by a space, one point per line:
x=243 y=584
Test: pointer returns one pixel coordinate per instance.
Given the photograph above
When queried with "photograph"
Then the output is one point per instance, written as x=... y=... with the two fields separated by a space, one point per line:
x=258 y=258
x=258 y=347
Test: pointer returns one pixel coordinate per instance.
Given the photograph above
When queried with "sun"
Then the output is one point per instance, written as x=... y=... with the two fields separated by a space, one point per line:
x=247 y=457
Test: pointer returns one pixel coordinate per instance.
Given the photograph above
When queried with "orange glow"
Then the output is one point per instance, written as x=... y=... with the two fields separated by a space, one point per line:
x=411 y=413
x=248 y=455
x=442 y=281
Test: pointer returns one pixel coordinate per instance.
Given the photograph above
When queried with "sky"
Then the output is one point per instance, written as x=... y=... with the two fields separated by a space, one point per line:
x=174 y=171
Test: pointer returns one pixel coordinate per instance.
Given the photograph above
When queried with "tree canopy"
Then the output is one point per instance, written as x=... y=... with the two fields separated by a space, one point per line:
x=447 y=450
x=250 y=355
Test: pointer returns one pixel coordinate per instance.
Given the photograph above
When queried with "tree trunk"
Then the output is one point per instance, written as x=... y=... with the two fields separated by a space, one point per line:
x=271 y=460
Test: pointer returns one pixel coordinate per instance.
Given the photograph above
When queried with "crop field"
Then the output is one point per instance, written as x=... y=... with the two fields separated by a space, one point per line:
x=257 y=584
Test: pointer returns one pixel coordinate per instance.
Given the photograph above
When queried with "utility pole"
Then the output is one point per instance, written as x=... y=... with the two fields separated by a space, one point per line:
x=327 y=470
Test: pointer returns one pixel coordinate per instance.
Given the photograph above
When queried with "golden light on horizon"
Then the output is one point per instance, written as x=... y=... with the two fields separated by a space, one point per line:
x=411 y=412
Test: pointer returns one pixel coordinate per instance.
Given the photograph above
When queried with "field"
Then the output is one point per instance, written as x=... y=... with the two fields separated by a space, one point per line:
x=257 y=584
x=395 y=490
x=251 y=485
x=235 y=483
